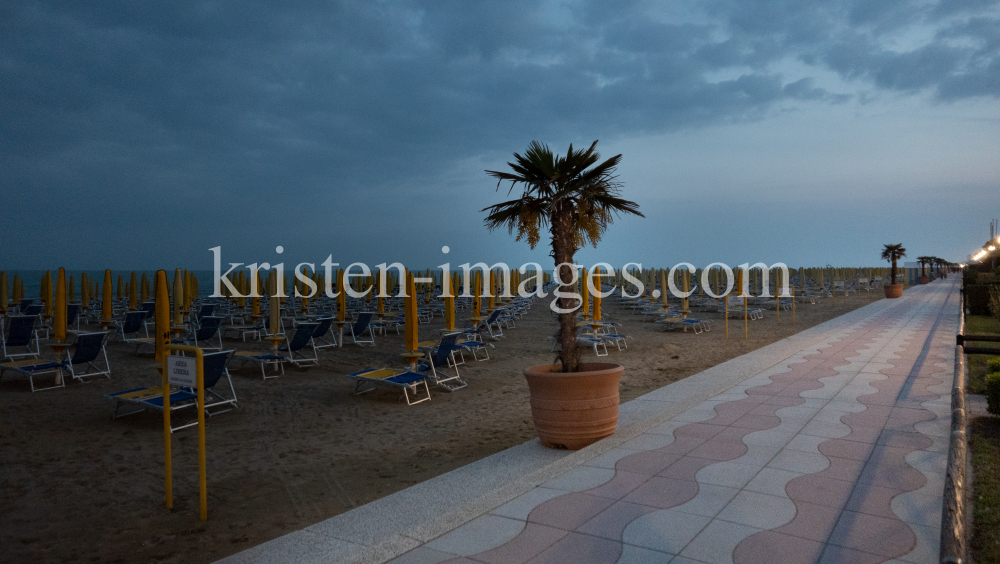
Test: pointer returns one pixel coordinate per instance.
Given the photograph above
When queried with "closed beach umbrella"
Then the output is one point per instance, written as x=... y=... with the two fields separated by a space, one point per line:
x=15 y=289
x=275 y=307
x=133 y=295
x=449 y=303
x=663 y=288
x=144 y=288
x=84 y=292
x=121 y=287
x=585 y=292
x=59 y=323
x=161 y=314
x=411 y=314
x=686 y=280
x=597 y=301
x=4 y=297
x=476 y=289
x=342 y=296
x=106 y=311
x=47 y=292
x=178 y=297
x=492 y=304
x=255 y=304
x=381 y=290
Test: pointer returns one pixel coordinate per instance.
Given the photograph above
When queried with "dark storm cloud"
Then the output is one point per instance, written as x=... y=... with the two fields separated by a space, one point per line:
x=227 y=103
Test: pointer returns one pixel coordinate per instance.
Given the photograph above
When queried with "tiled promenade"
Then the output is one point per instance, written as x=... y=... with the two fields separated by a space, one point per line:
x=829 y=446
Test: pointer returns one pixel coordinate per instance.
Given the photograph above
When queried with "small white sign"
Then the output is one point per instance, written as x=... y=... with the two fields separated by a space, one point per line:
x=182 y=370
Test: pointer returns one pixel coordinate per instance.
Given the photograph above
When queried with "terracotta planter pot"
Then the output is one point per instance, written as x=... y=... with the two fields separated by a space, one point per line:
x=573 y=410
x=924 y=280
x=893 y=290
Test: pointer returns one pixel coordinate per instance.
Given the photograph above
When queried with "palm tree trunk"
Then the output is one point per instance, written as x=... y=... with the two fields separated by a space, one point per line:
x=893 y=270
x=563 y=231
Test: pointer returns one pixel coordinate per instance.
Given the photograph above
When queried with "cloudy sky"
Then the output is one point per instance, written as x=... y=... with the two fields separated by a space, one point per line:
x=140 y=134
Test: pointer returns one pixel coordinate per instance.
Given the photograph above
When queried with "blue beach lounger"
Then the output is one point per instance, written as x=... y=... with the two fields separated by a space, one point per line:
x=17 y=337
x=88 y=350
x=180 y=398
x=362 y=324
x=399 y=378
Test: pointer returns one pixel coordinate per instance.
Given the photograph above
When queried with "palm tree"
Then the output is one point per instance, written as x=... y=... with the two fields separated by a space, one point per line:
x=575 y=200
x=924 y=260
x=940 y=262
x=892 y=253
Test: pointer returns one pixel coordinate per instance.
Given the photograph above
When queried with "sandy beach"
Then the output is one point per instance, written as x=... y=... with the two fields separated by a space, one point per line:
x=79 y=486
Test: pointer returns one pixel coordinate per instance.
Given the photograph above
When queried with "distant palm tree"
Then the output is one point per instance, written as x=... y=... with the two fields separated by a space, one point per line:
x=924 y=261
x=939 y=262
x=575 y=201
x=892 y=253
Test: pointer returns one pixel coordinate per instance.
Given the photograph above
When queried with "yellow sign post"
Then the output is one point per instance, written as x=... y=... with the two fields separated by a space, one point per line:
x=176 y=370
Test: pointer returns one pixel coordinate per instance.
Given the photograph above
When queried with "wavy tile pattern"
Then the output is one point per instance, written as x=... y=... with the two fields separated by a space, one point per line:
x=837 y=454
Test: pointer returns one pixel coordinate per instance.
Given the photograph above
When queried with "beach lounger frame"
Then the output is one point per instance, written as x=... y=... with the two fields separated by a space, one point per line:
x=299 y=341
x=215 y=366
x=405 y=380
x=440 y=360
x=19 y=331
x=361 y=324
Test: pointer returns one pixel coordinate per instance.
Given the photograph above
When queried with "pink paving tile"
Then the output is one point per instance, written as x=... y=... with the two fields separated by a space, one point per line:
x=682 y=445
x=731 y=411
x=872 y=534
x=663 y=493
x=529 y=543
x=612 y=521
x=908 y=440
x=699 y=431
x=867 y=418
x=575 y=548
x=906 y=423
x=843 y=469
x=873 y=500
x=649 y=462
x=892 y=476
x=766 y=390
x=840 y=555
x=795 y=389
x=820 y=490
x=757 y=422
x=685 y=468
x=621 y=484
x=765 y=409
x=568 y=511
x=770 y=546
x=812 y=521
x=863 y=435
x=732 y=435
x=884 y=455
x=719 y=450
x=841 y=448
x=784 y=401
